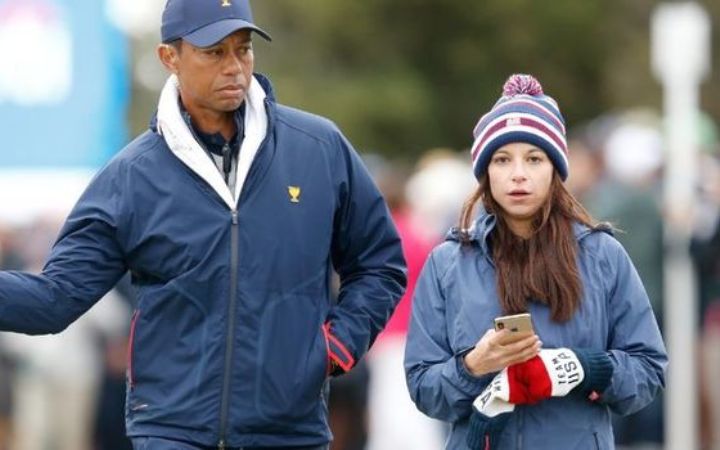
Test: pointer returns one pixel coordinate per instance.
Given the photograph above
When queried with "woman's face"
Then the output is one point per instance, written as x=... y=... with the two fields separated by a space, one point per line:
x=520 y=176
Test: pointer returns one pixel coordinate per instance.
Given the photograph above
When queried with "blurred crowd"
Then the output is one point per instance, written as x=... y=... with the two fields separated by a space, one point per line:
x=66 y=392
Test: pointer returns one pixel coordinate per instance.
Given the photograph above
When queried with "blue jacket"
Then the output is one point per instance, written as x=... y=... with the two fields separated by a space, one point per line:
x=235 y=327
x=455 y=303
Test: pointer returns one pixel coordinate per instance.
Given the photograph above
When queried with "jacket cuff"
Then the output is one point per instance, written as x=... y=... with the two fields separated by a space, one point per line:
x=598 y=369
x=470 y=382
x=340 y=360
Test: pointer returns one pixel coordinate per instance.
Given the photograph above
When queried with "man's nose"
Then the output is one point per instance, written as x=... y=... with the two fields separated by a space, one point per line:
x=233 y=64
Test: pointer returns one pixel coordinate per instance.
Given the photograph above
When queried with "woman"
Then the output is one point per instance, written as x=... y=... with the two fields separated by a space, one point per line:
x=534 y=249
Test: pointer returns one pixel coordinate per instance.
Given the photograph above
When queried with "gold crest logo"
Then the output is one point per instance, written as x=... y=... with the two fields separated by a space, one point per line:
x=294 y=192
x=226 y=3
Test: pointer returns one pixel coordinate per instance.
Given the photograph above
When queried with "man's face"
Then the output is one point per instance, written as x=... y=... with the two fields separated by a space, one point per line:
x=212 y=79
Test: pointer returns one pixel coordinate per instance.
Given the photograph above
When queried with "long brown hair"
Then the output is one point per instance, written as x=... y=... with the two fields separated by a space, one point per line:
x=542 y=268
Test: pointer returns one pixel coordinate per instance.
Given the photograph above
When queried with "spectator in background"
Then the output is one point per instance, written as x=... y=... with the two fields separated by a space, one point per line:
x=109 y=424
x=629 y=197
x=588 y=169
x=394 y=421
x=347 y=409
x=705 y=251
x=432 y=200
x=705 y=245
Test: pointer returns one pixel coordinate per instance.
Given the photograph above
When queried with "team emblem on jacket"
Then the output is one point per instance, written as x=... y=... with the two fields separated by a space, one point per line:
x=294 y=192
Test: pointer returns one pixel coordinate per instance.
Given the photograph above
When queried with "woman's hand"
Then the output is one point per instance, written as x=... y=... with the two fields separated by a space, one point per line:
x=499 y=349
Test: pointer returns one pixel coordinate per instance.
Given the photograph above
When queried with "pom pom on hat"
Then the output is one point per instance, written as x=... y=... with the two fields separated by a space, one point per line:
x=522 y=84
x=522 y=114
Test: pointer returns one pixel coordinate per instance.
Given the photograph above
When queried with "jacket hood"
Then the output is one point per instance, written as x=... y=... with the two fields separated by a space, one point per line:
x=262 y=79
x=485 y=223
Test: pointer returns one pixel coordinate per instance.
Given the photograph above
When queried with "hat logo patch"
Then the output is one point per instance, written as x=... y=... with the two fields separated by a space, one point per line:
x=512 y=121
x=225 y=3
x=294 y=192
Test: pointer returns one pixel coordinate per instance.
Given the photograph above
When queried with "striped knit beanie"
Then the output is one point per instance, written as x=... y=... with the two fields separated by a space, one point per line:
x=522 y=114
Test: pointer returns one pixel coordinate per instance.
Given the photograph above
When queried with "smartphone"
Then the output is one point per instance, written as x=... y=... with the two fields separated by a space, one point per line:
x=514 y=323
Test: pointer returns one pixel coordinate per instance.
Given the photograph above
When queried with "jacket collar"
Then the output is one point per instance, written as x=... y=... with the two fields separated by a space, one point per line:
x=185 y=146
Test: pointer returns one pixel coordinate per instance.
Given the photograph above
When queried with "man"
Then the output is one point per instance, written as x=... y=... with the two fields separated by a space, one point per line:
x=230 y=214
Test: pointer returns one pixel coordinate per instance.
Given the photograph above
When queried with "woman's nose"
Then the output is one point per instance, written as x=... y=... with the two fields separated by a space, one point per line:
x=518 y=172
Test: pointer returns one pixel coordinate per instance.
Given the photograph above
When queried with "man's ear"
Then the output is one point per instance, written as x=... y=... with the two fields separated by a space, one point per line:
x=168 y=56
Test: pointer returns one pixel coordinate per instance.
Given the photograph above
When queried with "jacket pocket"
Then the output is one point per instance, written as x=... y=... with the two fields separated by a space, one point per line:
x=130 y=351
x=328 y=361
x=293 y=361
x=340 y=358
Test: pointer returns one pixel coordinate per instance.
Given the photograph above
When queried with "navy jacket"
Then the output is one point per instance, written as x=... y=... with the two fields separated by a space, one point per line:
x=235 y=327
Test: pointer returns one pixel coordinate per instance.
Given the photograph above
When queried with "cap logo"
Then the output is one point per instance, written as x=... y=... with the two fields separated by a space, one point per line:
x=225 y=3
x=512 y=121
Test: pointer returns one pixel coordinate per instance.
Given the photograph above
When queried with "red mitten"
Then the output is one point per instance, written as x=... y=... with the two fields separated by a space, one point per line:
x=518 y=392
x=553 y=373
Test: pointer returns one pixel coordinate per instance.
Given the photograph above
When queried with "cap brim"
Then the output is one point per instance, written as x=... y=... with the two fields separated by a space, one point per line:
x=215 y=32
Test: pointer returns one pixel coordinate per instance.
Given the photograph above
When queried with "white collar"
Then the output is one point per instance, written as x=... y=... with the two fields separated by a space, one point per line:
x=183 y=144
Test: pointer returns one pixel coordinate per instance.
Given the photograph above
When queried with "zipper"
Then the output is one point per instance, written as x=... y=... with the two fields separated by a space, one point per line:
x=226 y=162
x=521 y=416
x=230 y=335
x=131 y=340
x=224 y=405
